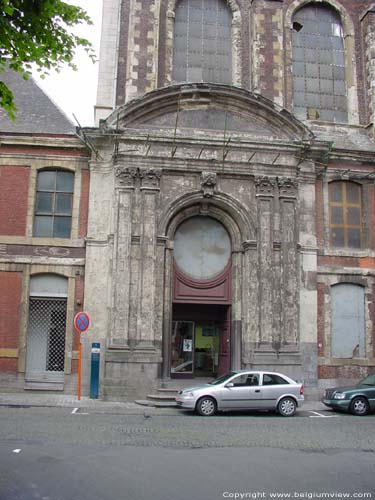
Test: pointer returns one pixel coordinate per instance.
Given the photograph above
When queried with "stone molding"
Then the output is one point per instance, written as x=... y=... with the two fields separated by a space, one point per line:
x=126 y=176
x=265 y=185
x=288 y=187
x=130 y=177
x=150 y=178
x=208 y=184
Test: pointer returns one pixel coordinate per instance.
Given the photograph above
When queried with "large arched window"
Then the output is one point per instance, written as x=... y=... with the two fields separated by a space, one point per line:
x=53 y=205
x=345 y=214
x=202 y=45
x=319 y=81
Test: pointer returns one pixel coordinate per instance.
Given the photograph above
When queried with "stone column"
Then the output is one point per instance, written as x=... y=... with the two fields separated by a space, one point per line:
x=150 y=187
x=267 y=49
x=125 y=185
x=265 y=199
x=250 y=301
x=368 y=26
x=141 y=74
x=289 y=261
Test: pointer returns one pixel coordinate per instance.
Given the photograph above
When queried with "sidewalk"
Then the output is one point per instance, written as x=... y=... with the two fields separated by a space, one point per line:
x=71 y=401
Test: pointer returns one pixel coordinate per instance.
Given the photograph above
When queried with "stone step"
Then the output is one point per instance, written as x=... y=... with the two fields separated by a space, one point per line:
x=43 y=386
x=161 y=397
x=156 y=404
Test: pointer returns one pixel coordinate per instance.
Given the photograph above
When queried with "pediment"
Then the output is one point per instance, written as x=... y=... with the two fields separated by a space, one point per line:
x=196 y=108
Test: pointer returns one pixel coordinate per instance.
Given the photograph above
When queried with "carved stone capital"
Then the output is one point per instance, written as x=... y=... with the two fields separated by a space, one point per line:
x=288 y=187
x=126 y=176
x=265 y=185
x=150 y=178
x=208 y=184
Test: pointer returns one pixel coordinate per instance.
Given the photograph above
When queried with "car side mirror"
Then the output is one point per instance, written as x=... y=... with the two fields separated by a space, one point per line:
x=229 y=384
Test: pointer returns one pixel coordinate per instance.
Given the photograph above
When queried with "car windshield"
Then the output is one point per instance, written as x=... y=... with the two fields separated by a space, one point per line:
x=222 y=379
x=370 y=380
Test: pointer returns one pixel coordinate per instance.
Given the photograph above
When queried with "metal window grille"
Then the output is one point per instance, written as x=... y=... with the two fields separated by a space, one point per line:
x=319 y=80
x=46 y=335
x=202 y=45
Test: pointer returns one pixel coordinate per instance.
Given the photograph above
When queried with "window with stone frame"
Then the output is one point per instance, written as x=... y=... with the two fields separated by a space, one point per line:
x=53 y=204
x=319 y=77
x=345 y=214
x=202 y=43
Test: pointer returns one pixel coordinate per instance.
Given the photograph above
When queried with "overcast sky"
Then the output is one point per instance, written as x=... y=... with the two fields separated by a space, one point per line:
x=75 y=91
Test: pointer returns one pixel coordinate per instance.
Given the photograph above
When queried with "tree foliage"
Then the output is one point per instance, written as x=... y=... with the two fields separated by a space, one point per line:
x=38 y=32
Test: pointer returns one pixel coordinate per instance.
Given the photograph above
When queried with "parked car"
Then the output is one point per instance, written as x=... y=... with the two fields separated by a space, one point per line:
x=358 y=399
x=244 y=390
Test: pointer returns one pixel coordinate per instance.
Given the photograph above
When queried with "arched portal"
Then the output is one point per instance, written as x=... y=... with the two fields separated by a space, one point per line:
x=204 y=293
x=201 y=297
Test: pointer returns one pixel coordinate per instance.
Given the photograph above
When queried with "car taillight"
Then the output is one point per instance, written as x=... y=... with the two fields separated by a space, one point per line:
x=301 y=391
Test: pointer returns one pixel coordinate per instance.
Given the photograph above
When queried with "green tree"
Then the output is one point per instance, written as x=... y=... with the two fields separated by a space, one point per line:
x=38 y=32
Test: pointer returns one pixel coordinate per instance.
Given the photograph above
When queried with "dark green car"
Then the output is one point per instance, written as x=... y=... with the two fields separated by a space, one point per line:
x=358 y=399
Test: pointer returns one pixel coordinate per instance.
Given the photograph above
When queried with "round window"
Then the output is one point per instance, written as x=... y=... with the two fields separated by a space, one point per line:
x=202 y=247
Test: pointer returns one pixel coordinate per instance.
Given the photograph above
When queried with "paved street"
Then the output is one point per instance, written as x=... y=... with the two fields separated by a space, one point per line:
x=98 y=454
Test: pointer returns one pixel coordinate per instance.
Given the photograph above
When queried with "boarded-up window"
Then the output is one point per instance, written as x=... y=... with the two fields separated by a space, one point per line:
x=319 y=82
x=202 y=48
x=348 y=321
x=345 y=214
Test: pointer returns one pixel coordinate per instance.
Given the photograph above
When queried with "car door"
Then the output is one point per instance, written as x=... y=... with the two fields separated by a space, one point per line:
x=245 y=392
x=273 y=387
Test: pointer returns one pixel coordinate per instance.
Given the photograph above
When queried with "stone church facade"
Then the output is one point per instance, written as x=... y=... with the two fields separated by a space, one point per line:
x=219 y=216
x=232 y=191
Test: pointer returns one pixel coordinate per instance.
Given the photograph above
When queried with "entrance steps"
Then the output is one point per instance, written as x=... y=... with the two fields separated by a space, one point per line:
x=165 y=395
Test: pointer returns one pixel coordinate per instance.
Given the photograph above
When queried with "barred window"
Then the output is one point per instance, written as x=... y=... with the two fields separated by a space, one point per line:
x=345 y=207
x=319 y=81
x=202 y=45
x=53 y=206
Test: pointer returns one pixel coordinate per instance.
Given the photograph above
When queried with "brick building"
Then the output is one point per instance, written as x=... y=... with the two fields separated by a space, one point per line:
x=232 y=196
x=44 y=181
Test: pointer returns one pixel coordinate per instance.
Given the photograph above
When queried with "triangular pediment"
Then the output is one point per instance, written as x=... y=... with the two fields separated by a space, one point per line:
x=209 y=107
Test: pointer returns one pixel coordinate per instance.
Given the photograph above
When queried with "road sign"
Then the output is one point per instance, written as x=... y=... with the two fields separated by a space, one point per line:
x=81 y=322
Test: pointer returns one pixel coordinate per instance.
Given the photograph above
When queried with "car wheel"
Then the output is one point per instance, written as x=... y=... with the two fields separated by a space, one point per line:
x=287 y=407
x=359 y=406
x=206 y=406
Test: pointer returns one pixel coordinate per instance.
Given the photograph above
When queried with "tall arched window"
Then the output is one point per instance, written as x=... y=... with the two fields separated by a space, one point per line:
x=319 y=81
x=345 y=214
x=53 y=205
x=202 y=45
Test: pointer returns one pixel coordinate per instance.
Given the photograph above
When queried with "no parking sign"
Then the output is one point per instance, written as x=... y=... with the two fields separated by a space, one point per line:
x=81 y=324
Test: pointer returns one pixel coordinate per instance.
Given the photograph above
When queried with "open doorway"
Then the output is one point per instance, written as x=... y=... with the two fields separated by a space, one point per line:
x=200 y=340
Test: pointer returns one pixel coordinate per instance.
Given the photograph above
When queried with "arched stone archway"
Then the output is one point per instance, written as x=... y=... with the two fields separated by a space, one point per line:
x=221 y=296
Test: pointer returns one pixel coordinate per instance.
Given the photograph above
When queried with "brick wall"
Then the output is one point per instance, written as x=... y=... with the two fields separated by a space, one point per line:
x=84 y=204
x=344 y=372
x=14 y=183
x=10 y=296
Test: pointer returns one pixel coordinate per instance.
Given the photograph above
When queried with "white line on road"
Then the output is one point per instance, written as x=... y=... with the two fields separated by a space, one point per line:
x=316 y=414
x=76 y=412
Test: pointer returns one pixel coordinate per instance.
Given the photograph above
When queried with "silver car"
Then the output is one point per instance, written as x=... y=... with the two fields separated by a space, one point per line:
x=244 y=390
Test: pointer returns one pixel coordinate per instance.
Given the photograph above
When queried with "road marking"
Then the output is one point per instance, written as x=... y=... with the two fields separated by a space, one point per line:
x=17 y=450
x=77 y=412
x=319 y=415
